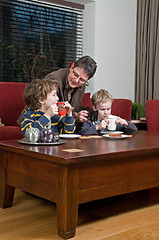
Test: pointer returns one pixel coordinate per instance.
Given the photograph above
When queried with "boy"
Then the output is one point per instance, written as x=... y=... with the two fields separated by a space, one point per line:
x=40 y=97
x=102 y=102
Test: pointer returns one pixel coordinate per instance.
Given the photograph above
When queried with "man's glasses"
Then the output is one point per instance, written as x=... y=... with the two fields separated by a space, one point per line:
x=79 y=78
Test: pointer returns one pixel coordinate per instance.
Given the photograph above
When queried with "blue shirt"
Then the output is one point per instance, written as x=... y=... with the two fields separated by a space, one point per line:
x=89 y=128
x=36 y=119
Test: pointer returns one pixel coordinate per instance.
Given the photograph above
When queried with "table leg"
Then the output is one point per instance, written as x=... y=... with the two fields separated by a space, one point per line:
x=6 y=191
x=67 y=201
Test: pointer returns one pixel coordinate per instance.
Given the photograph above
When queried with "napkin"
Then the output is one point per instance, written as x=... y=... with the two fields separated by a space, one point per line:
x=73 y=150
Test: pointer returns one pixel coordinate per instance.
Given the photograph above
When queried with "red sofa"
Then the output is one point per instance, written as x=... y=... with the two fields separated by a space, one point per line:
x=11 y=105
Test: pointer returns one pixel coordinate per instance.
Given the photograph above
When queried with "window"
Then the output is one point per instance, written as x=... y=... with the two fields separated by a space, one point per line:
x=37 y=38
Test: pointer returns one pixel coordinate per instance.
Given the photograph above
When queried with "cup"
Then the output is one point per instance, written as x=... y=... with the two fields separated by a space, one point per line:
x=112 y=123
x=61 y=108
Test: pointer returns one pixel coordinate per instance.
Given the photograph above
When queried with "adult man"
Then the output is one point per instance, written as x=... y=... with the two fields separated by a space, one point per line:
x=72 y=83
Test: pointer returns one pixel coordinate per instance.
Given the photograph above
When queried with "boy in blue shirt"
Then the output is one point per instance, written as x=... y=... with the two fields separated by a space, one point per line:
x=102 y=102
x=40 y=97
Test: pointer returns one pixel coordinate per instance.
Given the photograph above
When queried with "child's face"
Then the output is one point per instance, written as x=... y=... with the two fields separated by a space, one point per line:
x=104 y=109
x=51 y=99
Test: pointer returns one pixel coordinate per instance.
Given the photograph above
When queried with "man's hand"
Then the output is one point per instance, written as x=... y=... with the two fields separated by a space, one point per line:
x=81 y=116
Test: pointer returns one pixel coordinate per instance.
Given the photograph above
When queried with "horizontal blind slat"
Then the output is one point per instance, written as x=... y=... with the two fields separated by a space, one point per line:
x=56 y=30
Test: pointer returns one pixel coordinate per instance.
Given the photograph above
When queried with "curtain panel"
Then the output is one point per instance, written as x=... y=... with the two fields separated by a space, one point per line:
x=147 y=51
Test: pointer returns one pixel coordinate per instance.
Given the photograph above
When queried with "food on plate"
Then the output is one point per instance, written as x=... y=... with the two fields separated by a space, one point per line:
x=115 y=135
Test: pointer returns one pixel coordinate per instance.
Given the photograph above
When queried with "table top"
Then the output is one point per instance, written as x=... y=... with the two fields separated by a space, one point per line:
x=87 y=149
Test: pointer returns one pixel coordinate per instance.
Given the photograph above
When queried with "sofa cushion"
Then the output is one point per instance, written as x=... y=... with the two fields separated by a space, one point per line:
x=10 y=132
x=86 y=100
x=11 y=102
x=152 y=115
x=122 y=108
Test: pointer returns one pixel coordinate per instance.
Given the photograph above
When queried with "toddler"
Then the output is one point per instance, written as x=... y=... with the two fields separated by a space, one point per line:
x=102 y=102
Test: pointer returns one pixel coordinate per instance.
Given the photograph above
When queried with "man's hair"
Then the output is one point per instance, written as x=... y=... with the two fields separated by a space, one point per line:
x=88 y=65
x=38 y=89
x=101 y=96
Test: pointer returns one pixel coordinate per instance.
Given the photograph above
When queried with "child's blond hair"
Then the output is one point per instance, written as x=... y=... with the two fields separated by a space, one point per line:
x=101 y=96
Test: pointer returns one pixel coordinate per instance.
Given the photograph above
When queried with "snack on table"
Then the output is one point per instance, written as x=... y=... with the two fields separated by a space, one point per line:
x=119 y=135
x=115 y=135
x=90 y=137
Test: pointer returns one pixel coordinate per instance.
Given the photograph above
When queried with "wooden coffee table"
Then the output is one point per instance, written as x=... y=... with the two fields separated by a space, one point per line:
x=97 y=169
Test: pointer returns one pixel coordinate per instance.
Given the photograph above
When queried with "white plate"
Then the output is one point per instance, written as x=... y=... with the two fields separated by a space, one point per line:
x=69 y=136
x=122 y=136
x=143 y=119
x=23 y=141
x=136 y=121
x=111 y=132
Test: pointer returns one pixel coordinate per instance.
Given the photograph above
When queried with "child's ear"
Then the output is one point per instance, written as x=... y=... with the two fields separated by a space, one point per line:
x=41 y=101
x=94 y=108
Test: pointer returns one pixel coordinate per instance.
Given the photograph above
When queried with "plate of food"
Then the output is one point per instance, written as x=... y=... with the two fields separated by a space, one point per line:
x=116 y=136
x=110 y=132
x=24 y=141
x=70 y=136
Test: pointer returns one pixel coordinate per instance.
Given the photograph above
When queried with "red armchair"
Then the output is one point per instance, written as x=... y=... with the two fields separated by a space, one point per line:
x=152 y=115
x=122 y=108
x=11 y=105
x=86 y=100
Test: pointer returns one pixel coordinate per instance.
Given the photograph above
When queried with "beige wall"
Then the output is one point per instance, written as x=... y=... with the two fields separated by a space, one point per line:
x=109 y=37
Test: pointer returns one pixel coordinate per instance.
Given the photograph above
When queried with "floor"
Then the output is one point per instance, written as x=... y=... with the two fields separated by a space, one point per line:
x=128 y=217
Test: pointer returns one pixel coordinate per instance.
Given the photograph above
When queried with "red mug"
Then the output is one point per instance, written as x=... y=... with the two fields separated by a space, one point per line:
x=61 y=109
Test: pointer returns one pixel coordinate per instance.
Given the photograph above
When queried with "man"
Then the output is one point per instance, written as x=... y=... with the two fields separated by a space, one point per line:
x=72 y=83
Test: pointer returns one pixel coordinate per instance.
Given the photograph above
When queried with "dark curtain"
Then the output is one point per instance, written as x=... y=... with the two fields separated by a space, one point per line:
x=147 y=51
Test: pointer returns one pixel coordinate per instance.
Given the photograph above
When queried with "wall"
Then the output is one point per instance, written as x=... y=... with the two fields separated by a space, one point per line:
x=109 y=37
x=89 y=37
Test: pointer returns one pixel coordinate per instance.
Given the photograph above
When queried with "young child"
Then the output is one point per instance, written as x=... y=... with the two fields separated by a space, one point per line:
x=102 y=102
x=40 y=97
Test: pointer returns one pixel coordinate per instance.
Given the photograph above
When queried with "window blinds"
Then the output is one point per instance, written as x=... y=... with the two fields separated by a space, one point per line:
x=38 y=36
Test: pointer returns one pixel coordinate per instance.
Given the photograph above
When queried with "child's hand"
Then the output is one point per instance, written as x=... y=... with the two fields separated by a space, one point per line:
x=51 y=111
x=102 y=124
x=122 y=121
x=69 y=109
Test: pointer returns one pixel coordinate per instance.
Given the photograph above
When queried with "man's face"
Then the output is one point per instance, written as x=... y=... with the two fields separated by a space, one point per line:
x=77 y=77
x=104 y=109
